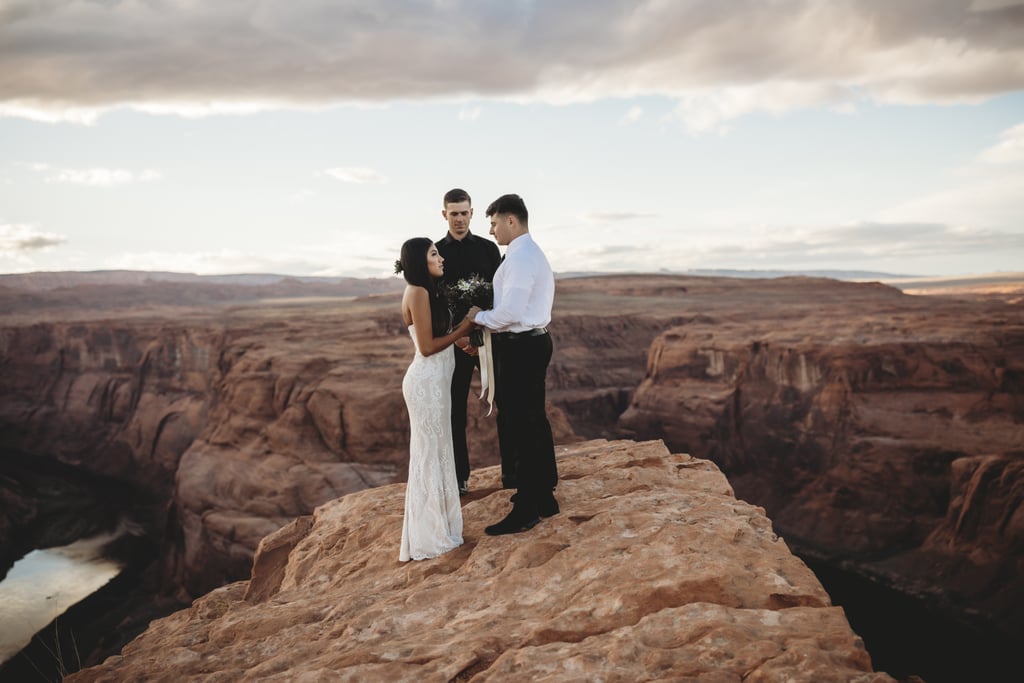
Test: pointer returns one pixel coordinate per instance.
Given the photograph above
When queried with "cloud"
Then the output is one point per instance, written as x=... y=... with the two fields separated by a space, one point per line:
x=354 y=174
x=894 y=247
x=872 y=241
x=613 y=216
x=1010 y=150
x=301 y=195
x=96 y=177
x=370 y=258
x=983 y=198
x=633 y=115
x=469 y=114
x=70 y=60
x=18 y=239
x=710 y=109
x=223 y=261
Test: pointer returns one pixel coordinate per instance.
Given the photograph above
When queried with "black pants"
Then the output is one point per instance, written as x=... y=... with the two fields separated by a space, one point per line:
x=461 y=379
x=524 y=433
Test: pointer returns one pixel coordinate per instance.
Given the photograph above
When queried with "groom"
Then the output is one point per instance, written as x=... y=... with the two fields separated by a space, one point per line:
x=524 y=292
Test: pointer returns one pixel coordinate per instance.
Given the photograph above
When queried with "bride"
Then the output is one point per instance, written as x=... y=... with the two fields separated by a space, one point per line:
x=433 y=516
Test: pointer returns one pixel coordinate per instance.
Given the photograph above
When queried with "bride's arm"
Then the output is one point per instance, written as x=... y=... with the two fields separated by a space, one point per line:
x=426 y=341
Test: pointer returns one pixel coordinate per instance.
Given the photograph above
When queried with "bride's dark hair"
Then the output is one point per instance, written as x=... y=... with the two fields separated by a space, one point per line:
x=414 y=269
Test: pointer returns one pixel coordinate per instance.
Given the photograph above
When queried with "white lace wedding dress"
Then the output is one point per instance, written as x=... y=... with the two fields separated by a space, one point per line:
x=433 y=515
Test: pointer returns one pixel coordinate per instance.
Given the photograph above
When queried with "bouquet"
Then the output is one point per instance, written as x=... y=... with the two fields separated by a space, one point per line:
x=462 y=295
x=466 y=293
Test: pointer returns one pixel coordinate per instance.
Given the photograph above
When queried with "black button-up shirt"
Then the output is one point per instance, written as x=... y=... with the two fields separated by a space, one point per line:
x=469 y=255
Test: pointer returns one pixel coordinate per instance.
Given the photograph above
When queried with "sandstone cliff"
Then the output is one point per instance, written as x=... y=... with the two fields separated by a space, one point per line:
x=879 y=430
x=235 y=419
x=653 y=571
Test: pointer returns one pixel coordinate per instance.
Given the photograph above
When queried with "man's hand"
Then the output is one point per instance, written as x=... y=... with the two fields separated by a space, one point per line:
x=465 y=346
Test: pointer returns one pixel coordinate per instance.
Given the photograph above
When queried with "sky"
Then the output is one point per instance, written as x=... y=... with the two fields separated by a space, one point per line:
x=312 y=137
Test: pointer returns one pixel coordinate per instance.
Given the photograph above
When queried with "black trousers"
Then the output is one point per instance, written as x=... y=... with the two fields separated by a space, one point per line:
x=461 y=379
x=524 y=433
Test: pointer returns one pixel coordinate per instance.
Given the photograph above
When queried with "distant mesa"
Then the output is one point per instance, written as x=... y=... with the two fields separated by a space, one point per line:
x=832 y=274
x=63 y=293
x=73 y=278
x=106 y=290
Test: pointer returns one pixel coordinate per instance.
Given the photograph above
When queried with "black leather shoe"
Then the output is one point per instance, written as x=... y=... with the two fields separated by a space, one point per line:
x=463 y=487
x=508 y=481
x=546 y=508
x=512 y=524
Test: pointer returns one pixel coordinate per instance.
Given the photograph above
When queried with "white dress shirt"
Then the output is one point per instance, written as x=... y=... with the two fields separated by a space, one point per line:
x=524 y=289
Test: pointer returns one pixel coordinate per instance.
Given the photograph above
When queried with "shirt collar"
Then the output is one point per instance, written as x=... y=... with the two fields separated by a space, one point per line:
x=518 y=242
x=448 y=239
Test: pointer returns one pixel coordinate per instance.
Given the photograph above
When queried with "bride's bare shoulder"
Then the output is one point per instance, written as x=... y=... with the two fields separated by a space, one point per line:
x=413 y=296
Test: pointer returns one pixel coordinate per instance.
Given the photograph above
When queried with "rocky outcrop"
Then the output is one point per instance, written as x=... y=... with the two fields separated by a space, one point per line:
x=653 y=571
x=235 y=420
x=877 y=429
x=120 y=398
x=599 y=357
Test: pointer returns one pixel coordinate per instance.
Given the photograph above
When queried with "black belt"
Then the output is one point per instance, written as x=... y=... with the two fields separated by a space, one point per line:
x=535 y=332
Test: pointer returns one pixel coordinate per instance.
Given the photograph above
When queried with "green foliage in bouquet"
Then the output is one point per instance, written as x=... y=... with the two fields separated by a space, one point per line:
x=466 y=293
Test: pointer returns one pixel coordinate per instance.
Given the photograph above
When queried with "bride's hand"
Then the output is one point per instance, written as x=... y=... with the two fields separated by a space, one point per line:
x=472 y=312
x=465 y=346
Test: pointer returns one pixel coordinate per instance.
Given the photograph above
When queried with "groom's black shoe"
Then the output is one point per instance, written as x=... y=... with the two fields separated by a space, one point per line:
x=546 y=506
x=518 y=520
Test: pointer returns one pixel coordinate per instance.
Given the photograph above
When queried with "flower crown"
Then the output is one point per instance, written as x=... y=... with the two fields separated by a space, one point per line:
x=398 y=266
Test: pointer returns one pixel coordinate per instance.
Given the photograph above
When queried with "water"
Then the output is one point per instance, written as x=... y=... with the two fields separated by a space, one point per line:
x=82 y=597
x=906 y=636
x=45 y=583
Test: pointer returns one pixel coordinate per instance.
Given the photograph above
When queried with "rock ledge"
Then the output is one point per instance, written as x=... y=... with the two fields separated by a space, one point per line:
x=653 y=571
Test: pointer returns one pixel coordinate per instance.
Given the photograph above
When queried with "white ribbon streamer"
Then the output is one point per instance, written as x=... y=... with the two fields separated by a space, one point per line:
x=487 y=371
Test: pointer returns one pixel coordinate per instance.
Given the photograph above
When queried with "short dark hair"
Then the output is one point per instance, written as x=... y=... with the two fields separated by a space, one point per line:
x=456 y=195
x=511 y=204
x=416 y=273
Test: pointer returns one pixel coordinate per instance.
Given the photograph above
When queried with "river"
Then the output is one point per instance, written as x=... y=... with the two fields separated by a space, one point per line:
x=45 y=583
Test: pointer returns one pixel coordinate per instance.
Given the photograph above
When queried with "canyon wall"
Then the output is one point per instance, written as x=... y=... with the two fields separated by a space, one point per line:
x=878 y=430
x=120 y=399
x=231 y=421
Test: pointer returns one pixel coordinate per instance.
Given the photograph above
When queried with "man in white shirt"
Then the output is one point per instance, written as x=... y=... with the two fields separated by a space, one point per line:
x=524 y=292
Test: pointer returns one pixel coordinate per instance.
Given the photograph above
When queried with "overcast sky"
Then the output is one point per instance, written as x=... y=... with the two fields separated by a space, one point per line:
x=312 y=137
